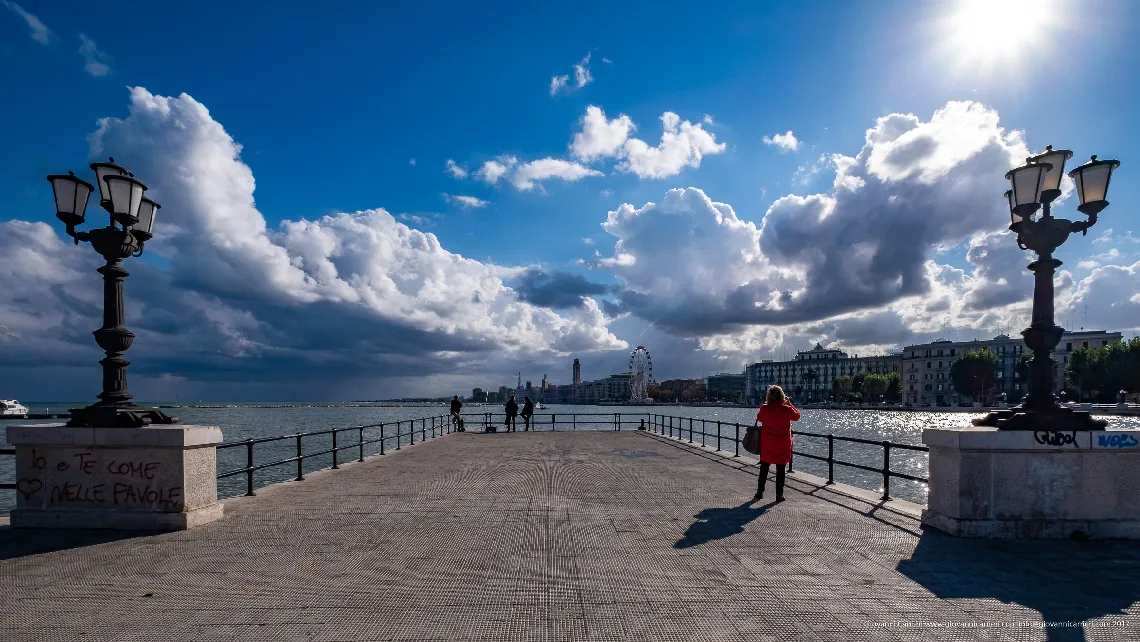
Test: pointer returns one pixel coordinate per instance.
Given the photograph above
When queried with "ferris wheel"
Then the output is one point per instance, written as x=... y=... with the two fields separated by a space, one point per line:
x=640 y=374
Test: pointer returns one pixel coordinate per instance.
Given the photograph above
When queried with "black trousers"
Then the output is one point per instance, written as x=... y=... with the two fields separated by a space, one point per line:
x=764 y=468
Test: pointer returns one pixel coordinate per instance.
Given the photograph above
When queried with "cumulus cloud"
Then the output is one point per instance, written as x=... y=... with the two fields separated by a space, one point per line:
x=340 y=294
x=39 y=31
x=455 y=170
x=861 y=245
x=465 y=201
x=95 y=61
x=581 y=78
x=493 y=170
x=786 y=142
x=555 y=289
x=683 y=144
x=526 y=176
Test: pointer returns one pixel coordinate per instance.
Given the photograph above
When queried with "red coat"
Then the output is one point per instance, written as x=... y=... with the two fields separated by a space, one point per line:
x=776 y=432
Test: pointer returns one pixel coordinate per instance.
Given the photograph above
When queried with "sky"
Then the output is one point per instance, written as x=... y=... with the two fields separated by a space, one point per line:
x=377 y=200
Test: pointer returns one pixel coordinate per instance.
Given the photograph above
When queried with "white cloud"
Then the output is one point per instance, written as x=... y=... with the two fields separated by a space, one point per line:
x=683 y=144
x=95 y=61
x=708 y=120
x=587 y=240
x=1105 y=237
x=1087 y=264
x=527 y=174
x=493 y=170
x=692 y=263
x=415 y=218
x=466 y=201
x=599 y=137
x=455 y=170
x=558 y=83
x=786 y=142
x=379 y=294
x=40 y=32
x=606 y=193
x=412 y=162
x=804 y=173
x=582 y=77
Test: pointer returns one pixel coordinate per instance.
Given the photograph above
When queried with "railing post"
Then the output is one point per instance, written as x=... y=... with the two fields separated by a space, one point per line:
x=249 y=468
x=552 y=422
x=361 y=429
x=433 y=427
x=381 y=439
x=717 y=436
x=412 y=432
x=397 y=435
x=830 y=458
x=574 y=422
x=300 y=459
x=886 y=469
x=691 y=431
x=737 y=440
x=618 y=415
x=335 y=466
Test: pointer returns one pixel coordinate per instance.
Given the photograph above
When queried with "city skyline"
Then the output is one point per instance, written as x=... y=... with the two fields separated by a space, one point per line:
x=469 y=195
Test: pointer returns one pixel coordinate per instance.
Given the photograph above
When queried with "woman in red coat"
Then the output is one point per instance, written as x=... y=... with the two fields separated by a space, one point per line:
x=775 y=419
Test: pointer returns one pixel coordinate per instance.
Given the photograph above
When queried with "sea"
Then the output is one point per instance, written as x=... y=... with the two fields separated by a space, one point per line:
x=242 y=421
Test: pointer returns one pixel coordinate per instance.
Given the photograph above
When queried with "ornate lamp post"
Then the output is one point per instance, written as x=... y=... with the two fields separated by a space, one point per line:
x=129 y=227
x=1035 y=186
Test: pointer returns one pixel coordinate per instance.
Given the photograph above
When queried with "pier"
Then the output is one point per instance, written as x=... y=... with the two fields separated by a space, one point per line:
x=560 y=536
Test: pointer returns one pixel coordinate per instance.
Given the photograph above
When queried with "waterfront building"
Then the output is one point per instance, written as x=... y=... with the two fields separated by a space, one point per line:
x=810 y=374
x=926 y=367
x=725 y=386
x=478 y=396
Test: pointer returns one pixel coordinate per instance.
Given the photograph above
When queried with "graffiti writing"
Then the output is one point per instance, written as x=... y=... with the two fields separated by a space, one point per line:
x=1121 y=440
x=133 y=494
x=70 y=492
x=132 y=469
x=86 y=478
x=29 y=487
x=1056 y=438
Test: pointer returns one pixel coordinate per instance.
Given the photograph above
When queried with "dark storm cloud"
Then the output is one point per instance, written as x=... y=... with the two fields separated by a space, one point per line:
x=556 y=289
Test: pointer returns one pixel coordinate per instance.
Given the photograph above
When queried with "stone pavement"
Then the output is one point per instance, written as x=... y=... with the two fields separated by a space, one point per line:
x=557 y=536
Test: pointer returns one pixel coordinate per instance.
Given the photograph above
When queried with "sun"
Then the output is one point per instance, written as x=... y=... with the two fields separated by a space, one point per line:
x=978 y=36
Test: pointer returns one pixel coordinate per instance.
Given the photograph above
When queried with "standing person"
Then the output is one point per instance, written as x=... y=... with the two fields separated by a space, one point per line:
x=456 y=406
x=512 y=409
x=775 y=419
x=527 y=412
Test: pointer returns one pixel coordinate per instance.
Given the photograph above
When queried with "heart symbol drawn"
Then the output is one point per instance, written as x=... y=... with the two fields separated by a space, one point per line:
x=29 y=487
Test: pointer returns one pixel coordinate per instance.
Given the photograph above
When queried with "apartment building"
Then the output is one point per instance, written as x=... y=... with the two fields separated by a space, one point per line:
x=926 y=367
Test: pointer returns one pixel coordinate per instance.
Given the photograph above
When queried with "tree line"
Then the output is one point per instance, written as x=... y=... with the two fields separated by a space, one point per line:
x=1098 y=374
x=867 y=386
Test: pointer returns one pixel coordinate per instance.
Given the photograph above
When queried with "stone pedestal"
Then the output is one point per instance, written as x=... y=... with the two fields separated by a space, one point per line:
x=986 y=482
x=150 y=478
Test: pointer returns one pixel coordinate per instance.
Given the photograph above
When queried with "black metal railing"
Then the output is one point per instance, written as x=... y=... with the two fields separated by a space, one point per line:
x=551 y=422
x=7 y=485
x=677 y=427
x=290 y=449
x=439 y=426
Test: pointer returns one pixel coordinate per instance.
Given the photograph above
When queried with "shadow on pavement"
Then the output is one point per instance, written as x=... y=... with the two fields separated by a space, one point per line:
x=1064 y=580
x=719 y=523
x=21 y=542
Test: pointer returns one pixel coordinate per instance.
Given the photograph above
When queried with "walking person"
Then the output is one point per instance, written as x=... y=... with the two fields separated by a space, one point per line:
x=456 y=406
x=512 y=410
x=775 y=419
x=527 y=412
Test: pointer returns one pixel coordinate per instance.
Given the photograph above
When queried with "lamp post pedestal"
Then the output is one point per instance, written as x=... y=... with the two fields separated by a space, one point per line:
x=151 y=478
x=1033 y=484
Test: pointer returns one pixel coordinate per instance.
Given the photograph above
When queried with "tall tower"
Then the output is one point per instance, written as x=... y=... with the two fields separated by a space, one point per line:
x=577 y=380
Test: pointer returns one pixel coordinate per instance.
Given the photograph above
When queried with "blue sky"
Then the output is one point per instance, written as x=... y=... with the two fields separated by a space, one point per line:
x=359 y=106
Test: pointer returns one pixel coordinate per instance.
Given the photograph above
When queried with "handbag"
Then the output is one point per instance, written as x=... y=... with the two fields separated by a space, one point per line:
x=752 y=440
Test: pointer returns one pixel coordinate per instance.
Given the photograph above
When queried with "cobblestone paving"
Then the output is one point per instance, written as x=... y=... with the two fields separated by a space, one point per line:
x=557 y=536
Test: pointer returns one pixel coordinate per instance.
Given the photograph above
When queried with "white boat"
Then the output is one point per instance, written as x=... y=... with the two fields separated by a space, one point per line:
x=12 y=408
